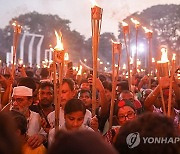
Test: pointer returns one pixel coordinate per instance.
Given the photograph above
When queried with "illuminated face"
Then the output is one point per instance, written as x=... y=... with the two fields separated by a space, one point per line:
x=46 y=96
x=125 y=113
x=21 y=104
x=85 y=97
x=74 y=120
x=66 y=95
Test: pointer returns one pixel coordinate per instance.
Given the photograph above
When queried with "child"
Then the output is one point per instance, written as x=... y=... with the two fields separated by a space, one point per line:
x=74 y=113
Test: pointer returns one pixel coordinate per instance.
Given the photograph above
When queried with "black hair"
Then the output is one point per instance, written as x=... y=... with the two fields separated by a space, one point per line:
x=84 y=91
x=81 y=142
x=70 y=83
x=124 y=85
x=107 y=85
x=44 y=72
x=74 y=105
x=27 y=82
x=84 y=81
x=42 y=85
x=20 y=121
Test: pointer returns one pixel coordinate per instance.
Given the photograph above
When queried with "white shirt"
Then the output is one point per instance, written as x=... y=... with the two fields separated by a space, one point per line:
x=51 y=118
x=34 y=124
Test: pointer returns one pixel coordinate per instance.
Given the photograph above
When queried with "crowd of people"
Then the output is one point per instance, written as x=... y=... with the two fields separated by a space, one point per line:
x=27 y=114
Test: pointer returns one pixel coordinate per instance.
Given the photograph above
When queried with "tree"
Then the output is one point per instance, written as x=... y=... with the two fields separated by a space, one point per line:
x=164 y=20
x=45 y=24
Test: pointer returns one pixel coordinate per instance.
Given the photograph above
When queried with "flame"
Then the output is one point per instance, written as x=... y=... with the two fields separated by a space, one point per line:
x=174 y=56
x=66 y=56
x=80 y=70
x=59 y=45
x=100 y=62
x=164 y=56
x=153 y=60
x=94 y=3
x=135 y=21
x=147 y=30
x=20 y=61
x=138 y=62
x=124 y=24
x=105 y=68
x=124 y=66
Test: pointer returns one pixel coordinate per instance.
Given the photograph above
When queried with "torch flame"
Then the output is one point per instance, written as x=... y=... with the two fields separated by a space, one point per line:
x=147 y=30
x=124 y=24
x=124 y=66
x=80 y=70
x=164 y=56
x=135 y=21
x=59 y=45
x=94 y=3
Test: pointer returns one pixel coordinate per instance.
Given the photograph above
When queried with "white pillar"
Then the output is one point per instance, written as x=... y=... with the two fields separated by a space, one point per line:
x=39 y=50
x=30 y=51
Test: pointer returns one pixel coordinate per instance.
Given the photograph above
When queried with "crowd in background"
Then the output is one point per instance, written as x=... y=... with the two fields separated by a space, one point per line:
x=27 y=117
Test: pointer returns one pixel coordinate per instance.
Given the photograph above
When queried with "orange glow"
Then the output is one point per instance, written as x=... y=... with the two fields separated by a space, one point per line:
x=94 y=3
x=66 y=56
x=124 y=24
x=164 y=56
x=135 y=21
x=59 y=45
x=147 y=30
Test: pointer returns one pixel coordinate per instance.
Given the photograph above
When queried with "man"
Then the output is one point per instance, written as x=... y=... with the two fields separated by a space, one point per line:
x=45 y=97
x=86 y=97
x=68 y=93
x=21 y=100
x=128 y=95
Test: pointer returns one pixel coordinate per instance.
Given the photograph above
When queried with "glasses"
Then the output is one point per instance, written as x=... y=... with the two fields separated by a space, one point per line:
x=129 y=115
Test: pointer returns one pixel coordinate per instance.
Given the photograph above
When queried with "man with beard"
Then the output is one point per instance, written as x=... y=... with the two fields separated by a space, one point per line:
x=45 y=96
x=21 y=100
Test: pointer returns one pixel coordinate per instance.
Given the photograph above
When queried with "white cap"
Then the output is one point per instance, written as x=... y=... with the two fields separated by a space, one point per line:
x=22 y=91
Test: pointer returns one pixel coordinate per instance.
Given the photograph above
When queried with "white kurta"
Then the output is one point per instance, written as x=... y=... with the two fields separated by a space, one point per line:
x=34 y=124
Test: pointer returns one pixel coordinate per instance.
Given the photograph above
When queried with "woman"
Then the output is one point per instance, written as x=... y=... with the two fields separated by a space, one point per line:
x=125 y=111
x=74 y=113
